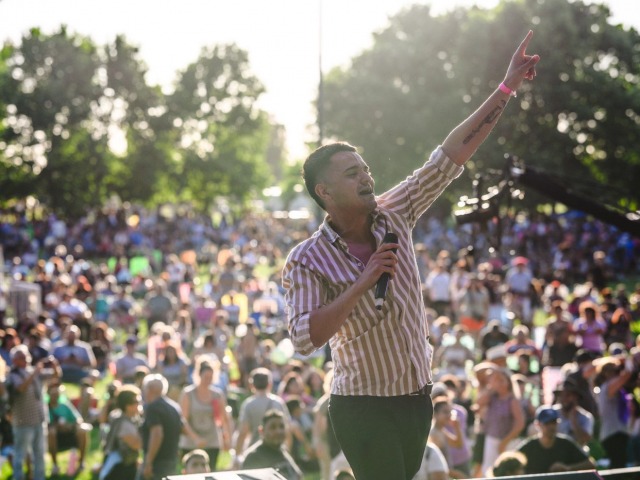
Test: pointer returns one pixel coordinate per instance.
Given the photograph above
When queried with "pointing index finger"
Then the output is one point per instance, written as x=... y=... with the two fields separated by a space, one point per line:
x=525 y=42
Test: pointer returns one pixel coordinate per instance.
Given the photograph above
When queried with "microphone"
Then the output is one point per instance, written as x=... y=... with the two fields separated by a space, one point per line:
x=383 y=281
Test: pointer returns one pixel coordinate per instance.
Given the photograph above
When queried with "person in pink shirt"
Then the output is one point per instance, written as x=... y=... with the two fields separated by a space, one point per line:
x=590 y=328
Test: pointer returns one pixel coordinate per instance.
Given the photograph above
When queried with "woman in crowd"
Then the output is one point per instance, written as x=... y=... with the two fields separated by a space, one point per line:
x=123 y=436
x=205 y=409
x=503 y=416
x=174 y=366
x=590 y=327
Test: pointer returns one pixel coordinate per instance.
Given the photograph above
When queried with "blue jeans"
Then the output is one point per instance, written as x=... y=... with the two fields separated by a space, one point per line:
x=28 y=438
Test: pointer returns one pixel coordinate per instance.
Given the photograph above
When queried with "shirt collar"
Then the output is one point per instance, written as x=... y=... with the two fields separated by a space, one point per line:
x=379 y=223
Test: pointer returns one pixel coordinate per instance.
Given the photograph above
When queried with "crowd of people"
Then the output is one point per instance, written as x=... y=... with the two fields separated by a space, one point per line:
x=181 y=320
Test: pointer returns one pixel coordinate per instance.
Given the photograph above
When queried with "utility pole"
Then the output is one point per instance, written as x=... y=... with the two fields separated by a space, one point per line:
x=320 y=105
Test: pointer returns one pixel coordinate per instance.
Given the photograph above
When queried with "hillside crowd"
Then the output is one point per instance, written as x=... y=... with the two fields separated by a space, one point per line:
x=181 y=321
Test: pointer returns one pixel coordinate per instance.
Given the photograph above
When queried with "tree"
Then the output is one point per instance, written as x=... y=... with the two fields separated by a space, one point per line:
x=424 y=74
x=81 y=123
x=137 y=113
x=50 y=149
x=222 y=135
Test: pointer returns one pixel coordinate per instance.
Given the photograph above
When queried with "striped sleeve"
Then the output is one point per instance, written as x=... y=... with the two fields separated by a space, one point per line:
x=413 y=196
x=303 y=295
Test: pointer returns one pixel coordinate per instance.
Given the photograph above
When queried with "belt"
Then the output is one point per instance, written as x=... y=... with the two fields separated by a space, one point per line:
x=424 y=391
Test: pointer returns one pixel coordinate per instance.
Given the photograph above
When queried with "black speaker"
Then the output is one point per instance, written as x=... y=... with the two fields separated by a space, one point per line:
x=259 y=474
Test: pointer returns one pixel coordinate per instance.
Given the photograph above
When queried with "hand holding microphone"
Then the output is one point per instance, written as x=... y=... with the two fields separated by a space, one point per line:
x=383 y=281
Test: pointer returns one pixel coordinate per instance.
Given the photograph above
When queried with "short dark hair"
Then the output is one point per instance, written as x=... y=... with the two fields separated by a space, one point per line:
x=316 y=164
x=126 y=396
x=260 y=378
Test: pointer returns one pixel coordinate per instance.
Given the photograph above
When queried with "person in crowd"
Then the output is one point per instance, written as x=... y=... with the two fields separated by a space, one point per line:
x=474 y=303
x=560 y=347
x=10 y=339
x=503 y=416
x=633 y=448
x=39 y=346
x=314 y=384
x=574 y=421
x=195 y=462
x=519 y=284
x=67 y=428
x=302 y=450
x=174 y=366
x=549 y=451
x=482 y=373
x=492 y=336
x=247 y=350
x=438 y=289
x=521 y=341
x=205 y=409
x=75 y=356
x=270 y=451
x=323 y=437
x=124 y=436
x=129 y=360
x=161 y=429
x=509 y=464
x=440 y=435
x=434 y=465
x=612 y=376
x=582 y=372
x=160 y=306
x=86 y=402
x=452 y=358
x=206 y=344
x=329 y=282
x=101 y=338
x=457 y=391
x=252 y=409
x=25 y=387
x=590 y=328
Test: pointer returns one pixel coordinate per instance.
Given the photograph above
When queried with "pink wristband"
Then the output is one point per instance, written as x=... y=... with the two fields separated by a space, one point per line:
x=503 y=88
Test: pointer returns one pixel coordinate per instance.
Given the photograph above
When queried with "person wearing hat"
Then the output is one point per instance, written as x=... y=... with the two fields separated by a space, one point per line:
x=127 y=362
x=549 y=451
x=613 y=373
x=575 y=421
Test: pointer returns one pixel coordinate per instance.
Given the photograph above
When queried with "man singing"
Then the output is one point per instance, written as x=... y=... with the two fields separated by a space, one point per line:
x=380 y=407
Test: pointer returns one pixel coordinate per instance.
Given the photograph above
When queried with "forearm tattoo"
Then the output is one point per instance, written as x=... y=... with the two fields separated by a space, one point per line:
x=491 y=117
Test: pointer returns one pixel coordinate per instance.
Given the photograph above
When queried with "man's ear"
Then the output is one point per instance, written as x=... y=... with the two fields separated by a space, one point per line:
x=322 y=191
x=260 y=429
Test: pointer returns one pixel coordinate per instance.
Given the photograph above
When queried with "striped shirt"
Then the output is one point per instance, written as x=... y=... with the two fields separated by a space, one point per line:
x=379 y=353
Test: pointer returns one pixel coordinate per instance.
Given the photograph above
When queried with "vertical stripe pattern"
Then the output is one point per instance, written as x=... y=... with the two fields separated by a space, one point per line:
x=380 y=353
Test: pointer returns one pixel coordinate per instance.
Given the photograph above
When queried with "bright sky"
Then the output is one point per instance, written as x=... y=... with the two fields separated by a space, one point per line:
x=281 y=36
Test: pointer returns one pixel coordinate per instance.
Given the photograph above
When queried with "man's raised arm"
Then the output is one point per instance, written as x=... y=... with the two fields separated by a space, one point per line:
x=465 y=139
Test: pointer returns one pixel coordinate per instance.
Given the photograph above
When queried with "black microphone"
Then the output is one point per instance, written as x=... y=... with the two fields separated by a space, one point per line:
x=383 y=281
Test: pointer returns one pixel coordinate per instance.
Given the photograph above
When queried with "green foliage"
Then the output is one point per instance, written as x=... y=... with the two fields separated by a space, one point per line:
x=425 y=74
x=80 y=123
x=222 y=137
